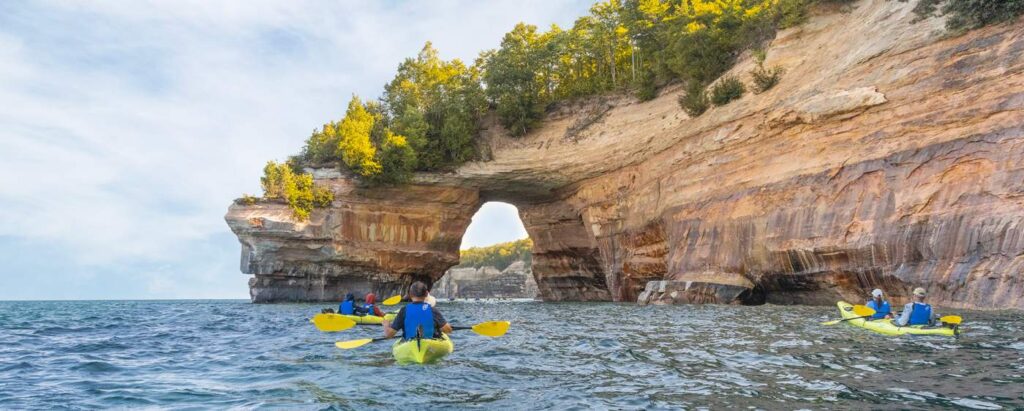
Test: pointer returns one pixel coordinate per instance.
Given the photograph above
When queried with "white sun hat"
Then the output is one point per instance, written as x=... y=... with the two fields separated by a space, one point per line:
x=876 y=293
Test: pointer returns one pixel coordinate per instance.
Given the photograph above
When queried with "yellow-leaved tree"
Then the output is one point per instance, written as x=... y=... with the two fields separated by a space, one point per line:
x=354 y=146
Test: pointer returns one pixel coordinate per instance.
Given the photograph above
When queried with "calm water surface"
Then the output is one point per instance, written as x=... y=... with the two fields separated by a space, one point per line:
x=217 y=354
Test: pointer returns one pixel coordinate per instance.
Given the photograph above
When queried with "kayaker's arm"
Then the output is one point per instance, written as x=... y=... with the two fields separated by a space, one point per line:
x=904 y=317
x=439 y=319
x=388 y=331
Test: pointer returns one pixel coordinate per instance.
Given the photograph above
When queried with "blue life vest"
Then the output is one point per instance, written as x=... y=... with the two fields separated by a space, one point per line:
x=369 y=309
x=347 y=308
x=920 y=314
x=418 y=316
x=880 y=312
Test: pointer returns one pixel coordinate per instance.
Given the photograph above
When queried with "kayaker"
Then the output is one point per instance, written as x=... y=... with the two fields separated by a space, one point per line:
x=417 y=318
x=348 y=307
x=880 y=305
x=370 y=307
x=917 y=312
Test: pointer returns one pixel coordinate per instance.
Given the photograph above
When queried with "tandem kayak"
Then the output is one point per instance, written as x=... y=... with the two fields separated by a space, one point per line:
x=887 y=327
x=370 y=319
x=422 y=351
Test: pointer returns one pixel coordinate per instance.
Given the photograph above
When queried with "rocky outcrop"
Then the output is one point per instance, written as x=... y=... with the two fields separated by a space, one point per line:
x=378 y=240
x=515 y=281
x=889 y=155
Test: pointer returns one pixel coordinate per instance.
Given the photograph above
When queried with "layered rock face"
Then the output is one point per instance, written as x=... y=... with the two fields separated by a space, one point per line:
x=889 y=156
x=515 y=281
x=377 y=240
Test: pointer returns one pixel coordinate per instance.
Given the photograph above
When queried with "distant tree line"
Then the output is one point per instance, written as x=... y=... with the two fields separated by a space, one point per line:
x=499 y=255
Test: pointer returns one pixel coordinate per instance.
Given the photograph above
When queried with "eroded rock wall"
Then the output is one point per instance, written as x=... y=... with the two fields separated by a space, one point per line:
x=910 y=174
x=378 y=239
x=515 y=281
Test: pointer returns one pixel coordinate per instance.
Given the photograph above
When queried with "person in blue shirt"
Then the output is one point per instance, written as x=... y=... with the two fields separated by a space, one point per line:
x=917 y=312
x=418 y=319
x=348 y=307
x=880 y=305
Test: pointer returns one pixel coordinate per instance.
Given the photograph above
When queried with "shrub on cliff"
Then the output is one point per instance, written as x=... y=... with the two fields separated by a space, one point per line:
x=726 y=90
x=764 y=78
x=280 y=183
x=247 y=199
x=647 y=87
x=970 y=14
x=695 y=101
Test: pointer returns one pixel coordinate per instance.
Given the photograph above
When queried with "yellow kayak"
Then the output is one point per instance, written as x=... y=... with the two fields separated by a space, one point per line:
x=422 y=351
x=370 y=319
x=887 y=327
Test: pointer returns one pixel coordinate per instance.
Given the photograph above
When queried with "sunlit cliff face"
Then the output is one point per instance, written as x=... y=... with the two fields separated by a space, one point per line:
x=888 y=157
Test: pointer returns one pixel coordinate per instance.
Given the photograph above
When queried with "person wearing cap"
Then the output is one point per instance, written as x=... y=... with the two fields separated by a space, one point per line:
x=880 y=305
x=917 y=312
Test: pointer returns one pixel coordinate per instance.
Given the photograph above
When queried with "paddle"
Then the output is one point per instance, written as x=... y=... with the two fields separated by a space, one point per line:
x=332 y=322
x=395 y=299
x=487 y=328
x=862 y=311
x=951 y=320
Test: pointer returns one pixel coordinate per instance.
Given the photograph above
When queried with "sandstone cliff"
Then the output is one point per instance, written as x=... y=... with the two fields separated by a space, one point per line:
x=889 y=156
x=515 y=281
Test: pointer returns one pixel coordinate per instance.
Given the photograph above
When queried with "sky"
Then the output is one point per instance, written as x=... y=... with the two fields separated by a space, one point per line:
x=127 y=127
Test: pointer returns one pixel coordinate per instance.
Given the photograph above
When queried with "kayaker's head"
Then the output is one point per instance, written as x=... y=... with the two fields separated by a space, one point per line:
x=417 y=291
x=877 y=295
x=919 y=294
x=350 y=297
x=371 y=298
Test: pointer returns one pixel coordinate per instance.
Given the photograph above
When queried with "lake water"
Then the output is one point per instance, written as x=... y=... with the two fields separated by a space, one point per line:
x=219 y=354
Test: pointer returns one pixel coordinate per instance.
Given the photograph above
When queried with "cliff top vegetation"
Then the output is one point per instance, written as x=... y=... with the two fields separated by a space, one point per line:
x=430 y=114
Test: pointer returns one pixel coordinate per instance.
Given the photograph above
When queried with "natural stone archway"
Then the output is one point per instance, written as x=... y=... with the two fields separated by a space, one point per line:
x=381 y=239
x=895 y=160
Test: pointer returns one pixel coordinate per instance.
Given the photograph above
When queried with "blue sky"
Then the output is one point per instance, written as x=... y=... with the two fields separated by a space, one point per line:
x=128 y=127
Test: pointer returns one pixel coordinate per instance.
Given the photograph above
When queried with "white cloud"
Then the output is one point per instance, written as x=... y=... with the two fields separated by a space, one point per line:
x=128 y=127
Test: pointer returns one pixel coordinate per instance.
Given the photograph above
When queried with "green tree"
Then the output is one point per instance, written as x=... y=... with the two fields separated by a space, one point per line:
x=437 y=106
x=512 y=79
x=397 y=159
x=322 y=145
x=354 y=146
